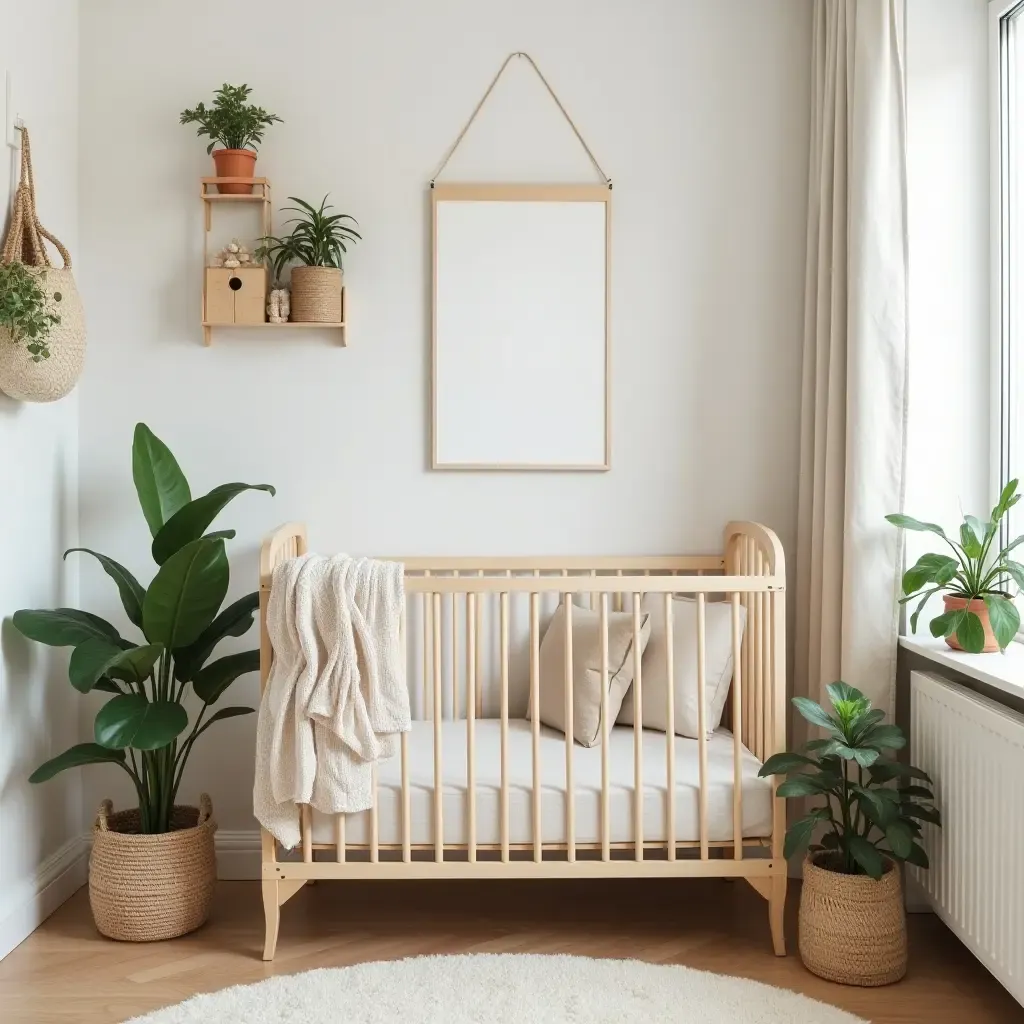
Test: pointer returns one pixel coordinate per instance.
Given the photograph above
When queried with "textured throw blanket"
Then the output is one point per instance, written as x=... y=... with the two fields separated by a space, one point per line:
x=336 y=698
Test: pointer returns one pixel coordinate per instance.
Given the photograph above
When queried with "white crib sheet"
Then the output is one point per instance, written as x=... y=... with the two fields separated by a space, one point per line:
x=757 y=802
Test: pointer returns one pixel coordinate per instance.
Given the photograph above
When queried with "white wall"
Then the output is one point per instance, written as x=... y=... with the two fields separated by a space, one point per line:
x=697 y=109
x=948 y=153
x=40 y=827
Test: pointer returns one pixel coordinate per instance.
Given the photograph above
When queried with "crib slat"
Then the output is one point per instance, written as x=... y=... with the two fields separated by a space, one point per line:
x=471 y=650
x=702 y=717
x=307 y=833
x=670 y=733
x=759 y=708
x=406 y=803
x=737 y=731
x=339 y=838
x=535 y=721
x=374 y=817
x=438 y=714
x=427 y=610
x=638 y=744
x=593 y=572
x=570 y=792
x=453 y=657
x=504 y=725
x=480 y=631
x=605 y=820
x=618 y=594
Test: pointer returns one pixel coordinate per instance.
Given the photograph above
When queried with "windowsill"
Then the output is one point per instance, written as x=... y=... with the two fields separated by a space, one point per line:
x=1004 y=672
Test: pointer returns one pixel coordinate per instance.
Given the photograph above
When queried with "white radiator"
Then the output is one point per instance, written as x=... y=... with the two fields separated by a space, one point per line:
x=974 y=751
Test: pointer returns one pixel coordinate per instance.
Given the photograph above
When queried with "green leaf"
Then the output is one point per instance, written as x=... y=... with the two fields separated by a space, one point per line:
x=1016 y=571
x=221 y=715
x=885 y=737
x=866 y=854
x=235 y=620
x=883 y=771
x=840 y=691
x=1004 y=618
x=75 y=757
x=869 y=797
x=133 y=721
x=96 y=658
x=813 y=713
x=1006 y=499
x=917 y=856
x=211 y=681
x=128 y=586
x=63 y=627
x=921 y=792
x=913 y=810
x=920 y=607
x=970 y=542
x=980 y=530
x=159 y=481
x=186 y=593
x=799 y=835
x=803 y=785
x=948 y=623
x=782 y=764
x=930 y=568
x=908 y=523
x=971 y=634
x=900 y=838
x=191 y=520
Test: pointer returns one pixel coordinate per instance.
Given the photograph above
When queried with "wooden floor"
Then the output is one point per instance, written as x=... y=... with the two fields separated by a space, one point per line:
x=66 y=972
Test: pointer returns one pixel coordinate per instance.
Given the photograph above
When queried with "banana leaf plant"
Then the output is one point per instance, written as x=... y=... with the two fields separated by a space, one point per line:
x=978 y=569
x=145 y=729
x=870 y=806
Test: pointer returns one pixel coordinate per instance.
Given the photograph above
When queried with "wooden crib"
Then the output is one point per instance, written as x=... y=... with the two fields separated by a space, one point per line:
x=480 y=792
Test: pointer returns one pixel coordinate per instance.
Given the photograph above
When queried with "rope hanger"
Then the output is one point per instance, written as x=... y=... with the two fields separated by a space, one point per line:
x=483 y=100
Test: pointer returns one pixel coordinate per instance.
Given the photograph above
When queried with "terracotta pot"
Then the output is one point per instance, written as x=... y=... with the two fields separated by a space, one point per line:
x=853 y=930
x=316 y=295
x=956 y=604
x=144 y=888
x=235 y=163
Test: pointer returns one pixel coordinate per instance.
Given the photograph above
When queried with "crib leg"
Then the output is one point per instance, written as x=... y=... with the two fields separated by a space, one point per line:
x=776 y=912
x=272 y=913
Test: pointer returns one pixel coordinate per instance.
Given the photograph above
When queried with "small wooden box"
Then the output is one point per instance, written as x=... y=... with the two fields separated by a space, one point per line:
x=235 y=295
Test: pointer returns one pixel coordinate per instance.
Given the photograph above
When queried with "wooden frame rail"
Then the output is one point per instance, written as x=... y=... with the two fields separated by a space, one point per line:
x=459 y=633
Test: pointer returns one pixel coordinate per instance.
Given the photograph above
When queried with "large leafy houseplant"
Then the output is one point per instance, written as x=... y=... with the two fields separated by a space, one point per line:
x=230 y=120
x=977 y=570
x=869 y=806
x=145 y=729
x=27 y=309
x=317 y=240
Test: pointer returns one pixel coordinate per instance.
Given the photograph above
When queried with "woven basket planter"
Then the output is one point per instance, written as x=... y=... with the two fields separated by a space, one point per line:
x=853 y=930
x=316 y=295
x=143 y=888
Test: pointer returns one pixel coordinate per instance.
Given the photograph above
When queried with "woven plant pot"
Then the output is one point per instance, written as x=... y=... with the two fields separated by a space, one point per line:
x=143 y=888
x=853 y=930
x=316 y=295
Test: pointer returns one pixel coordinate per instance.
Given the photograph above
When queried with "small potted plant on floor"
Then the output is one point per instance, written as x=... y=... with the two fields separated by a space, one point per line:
x=152 y=870
x=238 y=126
x=980 y=614
x=866 y=822
x=316 y=244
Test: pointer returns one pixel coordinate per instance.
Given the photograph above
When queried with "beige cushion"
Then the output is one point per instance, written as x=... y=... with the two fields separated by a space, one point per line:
x=586 y=674
x=654 y=669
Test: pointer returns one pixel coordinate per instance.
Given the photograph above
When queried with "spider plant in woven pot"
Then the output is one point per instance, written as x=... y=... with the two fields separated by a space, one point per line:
x=316 y=245
x=238 y=126
x=867 y=817
x=980 y=614
x=152 y=869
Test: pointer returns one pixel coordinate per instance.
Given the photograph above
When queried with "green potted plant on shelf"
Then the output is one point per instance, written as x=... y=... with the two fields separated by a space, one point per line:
x=980 y=614
x=28 y=310
x=866 y=819
x=152 y=871
x=316 y=245
x=238 y=126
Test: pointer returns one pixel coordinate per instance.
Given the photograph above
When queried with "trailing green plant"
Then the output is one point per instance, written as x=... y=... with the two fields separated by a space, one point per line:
x=145 y=728
x=317 y=240
x=231 y=121
x=26 y=309
x=870 y=805
x=976 y=570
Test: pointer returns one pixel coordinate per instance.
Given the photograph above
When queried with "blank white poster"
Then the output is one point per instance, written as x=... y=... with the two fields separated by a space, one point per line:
x=520 y=335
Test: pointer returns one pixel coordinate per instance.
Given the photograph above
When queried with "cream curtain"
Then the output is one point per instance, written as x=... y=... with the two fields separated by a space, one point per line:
x=853 y=420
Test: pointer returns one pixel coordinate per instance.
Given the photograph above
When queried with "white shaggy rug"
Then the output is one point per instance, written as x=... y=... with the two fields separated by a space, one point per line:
x=502 y=989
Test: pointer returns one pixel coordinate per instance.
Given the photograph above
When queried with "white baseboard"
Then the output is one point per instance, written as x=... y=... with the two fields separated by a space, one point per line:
x=238 y=855
x=58 y=878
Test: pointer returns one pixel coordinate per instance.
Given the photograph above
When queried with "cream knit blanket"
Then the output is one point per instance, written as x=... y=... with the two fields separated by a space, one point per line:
x=336 y=698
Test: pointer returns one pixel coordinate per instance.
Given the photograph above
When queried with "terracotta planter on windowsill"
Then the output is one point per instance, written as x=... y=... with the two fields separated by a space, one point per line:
x=956 y=604
x=235 y=163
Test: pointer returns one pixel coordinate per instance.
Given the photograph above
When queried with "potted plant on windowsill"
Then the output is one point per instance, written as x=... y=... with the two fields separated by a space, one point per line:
x=867 y=821
x=152 y=870
x=238 y=126
x=980 y=614
x=316 y=244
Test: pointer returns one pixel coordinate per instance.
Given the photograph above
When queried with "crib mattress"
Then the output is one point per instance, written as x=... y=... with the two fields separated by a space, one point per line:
x=757 y=794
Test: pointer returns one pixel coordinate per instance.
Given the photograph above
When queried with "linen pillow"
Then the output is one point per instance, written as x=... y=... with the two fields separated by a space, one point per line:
x=717 y=666
x=586 y=675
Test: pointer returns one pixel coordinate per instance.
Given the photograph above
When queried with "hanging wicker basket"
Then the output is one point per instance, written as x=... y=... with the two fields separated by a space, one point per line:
x=49 y=379
x=143 y=888
x=853 y=930
x=316 y=295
